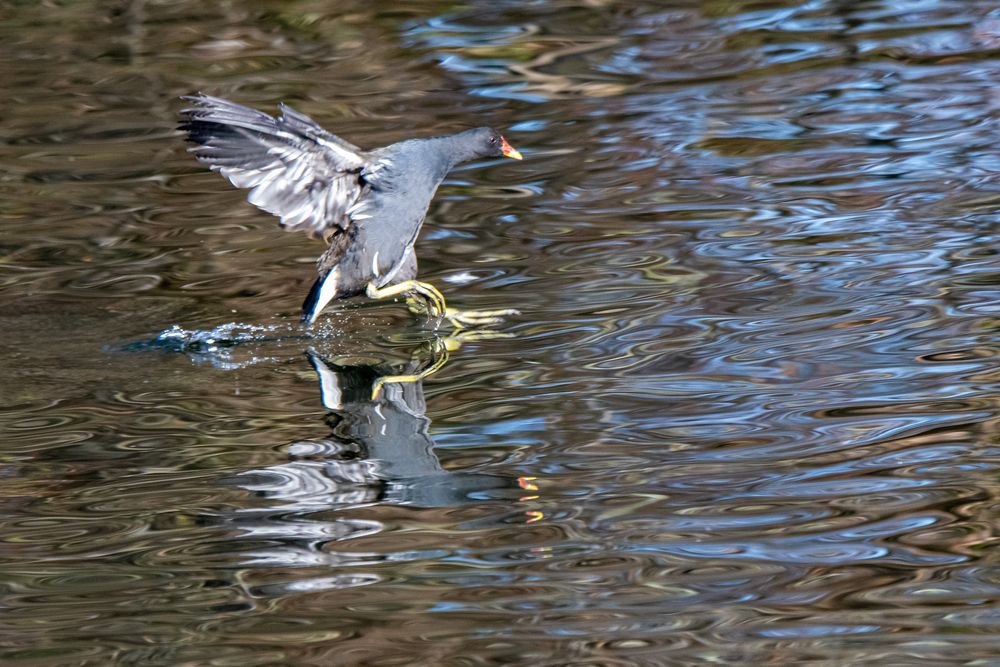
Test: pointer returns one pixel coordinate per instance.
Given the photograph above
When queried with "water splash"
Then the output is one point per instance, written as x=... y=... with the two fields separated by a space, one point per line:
x=229 y=346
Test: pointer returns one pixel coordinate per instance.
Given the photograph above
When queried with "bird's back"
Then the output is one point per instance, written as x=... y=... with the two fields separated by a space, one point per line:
x=389 y=215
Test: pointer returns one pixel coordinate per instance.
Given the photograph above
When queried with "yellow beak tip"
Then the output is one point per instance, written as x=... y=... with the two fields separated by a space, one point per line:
x=508 y=150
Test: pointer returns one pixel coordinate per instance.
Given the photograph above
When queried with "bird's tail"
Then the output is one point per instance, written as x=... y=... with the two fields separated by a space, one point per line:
x=323 y=291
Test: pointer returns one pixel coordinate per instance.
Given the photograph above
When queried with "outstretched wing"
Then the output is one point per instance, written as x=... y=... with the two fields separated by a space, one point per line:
x=295 y=169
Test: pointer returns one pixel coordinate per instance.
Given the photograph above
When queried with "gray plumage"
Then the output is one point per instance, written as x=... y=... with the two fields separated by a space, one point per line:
x=367 y=205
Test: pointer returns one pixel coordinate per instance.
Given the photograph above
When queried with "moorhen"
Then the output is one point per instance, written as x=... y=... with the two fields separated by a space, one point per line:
x=367 y=205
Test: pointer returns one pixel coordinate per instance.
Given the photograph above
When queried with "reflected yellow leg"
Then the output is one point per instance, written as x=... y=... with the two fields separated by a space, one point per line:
x=441 y=349
x=442 y=346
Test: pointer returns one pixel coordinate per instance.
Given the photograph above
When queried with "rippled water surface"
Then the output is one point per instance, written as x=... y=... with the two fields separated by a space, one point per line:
x=747 y=414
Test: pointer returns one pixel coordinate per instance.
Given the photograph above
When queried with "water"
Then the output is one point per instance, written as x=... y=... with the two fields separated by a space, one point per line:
x=747 y=415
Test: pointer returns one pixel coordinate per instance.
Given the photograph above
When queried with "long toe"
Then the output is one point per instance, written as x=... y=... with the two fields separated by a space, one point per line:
x=472 y=318
x=456 y=340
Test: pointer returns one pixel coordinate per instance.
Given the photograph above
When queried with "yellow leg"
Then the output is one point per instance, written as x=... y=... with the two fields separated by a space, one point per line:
x=437 y=306
x=463 y=318
x=434 y=297
x=473 y=318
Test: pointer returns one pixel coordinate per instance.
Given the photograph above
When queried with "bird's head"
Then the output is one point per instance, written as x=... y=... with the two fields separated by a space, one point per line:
x=494 y=145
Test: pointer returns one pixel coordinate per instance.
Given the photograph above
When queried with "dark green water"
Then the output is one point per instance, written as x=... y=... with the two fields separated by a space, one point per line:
x=748 y=414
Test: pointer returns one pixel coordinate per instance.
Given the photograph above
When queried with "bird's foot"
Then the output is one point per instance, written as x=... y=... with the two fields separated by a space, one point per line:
x=432 y=297
x=430 y=300
x=476 y=318
x=461 y=319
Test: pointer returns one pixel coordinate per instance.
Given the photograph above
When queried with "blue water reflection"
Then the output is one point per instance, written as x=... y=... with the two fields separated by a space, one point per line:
x=747 y=414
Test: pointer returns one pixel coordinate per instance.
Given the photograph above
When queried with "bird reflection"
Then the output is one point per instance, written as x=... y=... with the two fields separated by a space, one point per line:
x=377 y=449
x=379 y=434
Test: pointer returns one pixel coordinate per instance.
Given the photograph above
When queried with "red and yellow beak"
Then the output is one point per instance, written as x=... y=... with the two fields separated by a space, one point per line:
x=509 y=150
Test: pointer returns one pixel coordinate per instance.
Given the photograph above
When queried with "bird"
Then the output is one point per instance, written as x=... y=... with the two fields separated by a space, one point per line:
x=367 y=205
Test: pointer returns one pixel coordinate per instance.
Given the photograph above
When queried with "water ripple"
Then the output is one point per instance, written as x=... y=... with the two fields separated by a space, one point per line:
x=745 y=417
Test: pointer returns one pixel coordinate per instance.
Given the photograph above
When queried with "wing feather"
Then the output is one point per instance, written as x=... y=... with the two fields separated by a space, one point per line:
x=294 y=168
